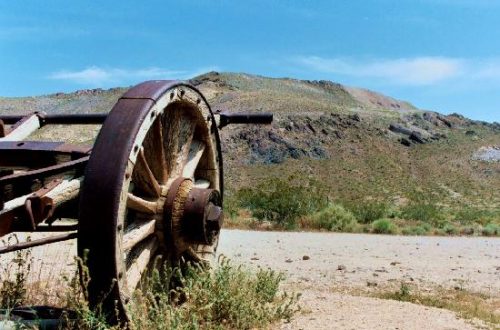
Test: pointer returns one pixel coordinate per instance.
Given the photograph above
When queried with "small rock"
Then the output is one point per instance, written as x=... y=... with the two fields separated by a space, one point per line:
x=369 y=283
x=341 y=267
x=382 y=270
x=394 y=263
x=306 y=258
x=289 y=260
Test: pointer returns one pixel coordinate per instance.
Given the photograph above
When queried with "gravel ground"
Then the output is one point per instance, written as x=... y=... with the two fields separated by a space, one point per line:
x=337 y=265
x=340 y=263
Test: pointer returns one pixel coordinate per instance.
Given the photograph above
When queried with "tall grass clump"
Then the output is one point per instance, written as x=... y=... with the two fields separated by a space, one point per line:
x=334 y=217
x=14 y=277
x=283 y=201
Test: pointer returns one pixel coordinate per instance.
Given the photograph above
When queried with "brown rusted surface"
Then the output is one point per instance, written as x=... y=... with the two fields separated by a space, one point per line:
x=68 y=119
x=37 y=242
x=40 y=207
x=36 y=154
x=203 y=216
x=3 y=129
x=227 y=118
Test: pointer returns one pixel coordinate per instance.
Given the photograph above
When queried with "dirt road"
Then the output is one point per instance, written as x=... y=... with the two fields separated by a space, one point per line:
x=326 y=268
x=338 y=264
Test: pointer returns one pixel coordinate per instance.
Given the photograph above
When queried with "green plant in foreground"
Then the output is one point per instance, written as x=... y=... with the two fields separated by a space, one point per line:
x=227 y=298
x=334 y=217
x=13 y=279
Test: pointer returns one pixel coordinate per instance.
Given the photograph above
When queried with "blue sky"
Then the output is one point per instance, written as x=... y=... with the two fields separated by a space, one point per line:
x=442 y=55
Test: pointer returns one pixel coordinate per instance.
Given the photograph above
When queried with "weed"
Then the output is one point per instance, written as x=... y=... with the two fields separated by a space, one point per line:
x=467 y=304
x=229 y=297
x=14 y=278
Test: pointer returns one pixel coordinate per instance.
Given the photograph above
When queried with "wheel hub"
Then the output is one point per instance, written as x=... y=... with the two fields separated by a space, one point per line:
x=192 y=215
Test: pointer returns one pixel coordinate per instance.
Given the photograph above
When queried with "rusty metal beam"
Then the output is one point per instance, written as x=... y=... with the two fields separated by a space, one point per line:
x=38 y=242
x=47 y=119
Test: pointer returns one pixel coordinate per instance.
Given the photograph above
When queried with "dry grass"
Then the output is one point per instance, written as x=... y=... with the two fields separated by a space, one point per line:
x=469 y=305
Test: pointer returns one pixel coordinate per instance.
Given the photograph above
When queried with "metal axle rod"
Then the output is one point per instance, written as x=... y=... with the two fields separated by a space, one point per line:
x=90 y=118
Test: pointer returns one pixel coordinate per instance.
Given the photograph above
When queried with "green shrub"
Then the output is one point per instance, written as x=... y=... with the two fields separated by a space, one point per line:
x=469 y=215
x=491 y=229
x=334 y=217
x=383 y=226
x=227 y=298
x=368 y=211
x=283 y=201
x=419 y=230
x=422 y=211
x=449 y=229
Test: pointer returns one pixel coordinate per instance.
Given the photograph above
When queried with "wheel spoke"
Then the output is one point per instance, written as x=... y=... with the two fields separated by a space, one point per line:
x=138 y=261
x=144 y=178
x=202 y=183
x=140 y=204
x=194 y=156
x=155 y=153
x=186 y=133
x=171 y=138
x=137 y=232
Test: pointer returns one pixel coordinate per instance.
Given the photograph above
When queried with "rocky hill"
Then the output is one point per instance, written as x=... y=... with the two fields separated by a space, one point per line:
x=360 y=144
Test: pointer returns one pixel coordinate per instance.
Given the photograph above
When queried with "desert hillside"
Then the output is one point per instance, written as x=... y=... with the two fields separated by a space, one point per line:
x=359 y=145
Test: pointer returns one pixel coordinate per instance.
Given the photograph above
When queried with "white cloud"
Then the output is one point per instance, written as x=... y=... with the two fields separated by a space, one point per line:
x=409 y=71
x=97 y=76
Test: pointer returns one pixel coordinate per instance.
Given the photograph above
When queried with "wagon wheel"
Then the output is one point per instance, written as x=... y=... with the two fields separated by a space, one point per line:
x=153 y=186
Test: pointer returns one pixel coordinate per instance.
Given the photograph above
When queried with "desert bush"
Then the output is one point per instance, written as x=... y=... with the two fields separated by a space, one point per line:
x=491 y=229
x=368 y=211
x=468 y=215
x=227 y=298
x=419 y=230
x=283 y=201
x=383 y=226
x=449 y=229
x=422 y=211
x=334 y=217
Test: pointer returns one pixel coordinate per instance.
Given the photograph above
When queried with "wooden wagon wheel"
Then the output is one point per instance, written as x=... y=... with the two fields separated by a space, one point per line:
x=153 y=186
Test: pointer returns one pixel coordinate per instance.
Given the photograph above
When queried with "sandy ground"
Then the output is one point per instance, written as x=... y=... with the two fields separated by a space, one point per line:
x=339 y=264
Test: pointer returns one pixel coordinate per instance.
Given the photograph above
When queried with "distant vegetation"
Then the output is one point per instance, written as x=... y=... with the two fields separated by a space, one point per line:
x=291 y=204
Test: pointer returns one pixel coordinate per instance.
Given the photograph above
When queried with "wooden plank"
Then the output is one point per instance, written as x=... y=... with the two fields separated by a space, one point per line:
x=23 y=130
